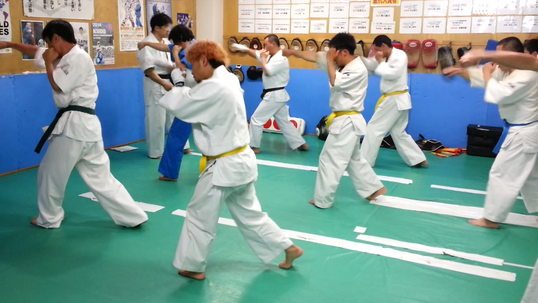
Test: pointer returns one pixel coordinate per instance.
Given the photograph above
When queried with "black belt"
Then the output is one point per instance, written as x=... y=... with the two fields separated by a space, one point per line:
x=265 y=91
x=49 y=130
x=167 y=76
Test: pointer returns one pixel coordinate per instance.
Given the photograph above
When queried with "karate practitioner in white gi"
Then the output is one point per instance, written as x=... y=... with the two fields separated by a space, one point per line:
x=514 y=60
x=392 y=109
x=276 y=76
x=215 y=107
x=75 y=140
x=156 y=83
x=515 y=168
x=341 y=152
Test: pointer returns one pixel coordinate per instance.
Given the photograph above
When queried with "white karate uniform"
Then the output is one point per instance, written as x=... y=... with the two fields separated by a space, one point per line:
x=531 y=294
x=392 y=115
x=341 y=151
x=157 y=120
x=216 y=110
x=515 y=168
x=76 y=141
x=274 y=103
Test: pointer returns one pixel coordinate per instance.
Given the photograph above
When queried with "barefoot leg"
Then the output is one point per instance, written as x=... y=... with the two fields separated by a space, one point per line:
x=378 y=193
x=34 y=221
x=292 y=253
x=303 y=147
x=192 y=275
x=483 y=222
x=163 y=178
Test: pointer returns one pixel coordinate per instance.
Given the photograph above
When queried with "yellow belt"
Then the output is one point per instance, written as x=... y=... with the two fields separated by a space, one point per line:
x=388 y=95
x=203 y=162
x=338 y=114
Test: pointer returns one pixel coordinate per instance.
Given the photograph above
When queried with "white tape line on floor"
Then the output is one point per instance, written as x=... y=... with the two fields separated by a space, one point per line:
x=150 y=208
x=315 y=169
x=463 y=190
x=431 y=250
x=389 y=253
x=468 y=212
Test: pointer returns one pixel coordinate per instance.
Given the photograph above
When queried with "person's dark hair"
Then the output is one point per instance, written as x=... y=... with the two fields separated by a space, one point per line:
x=512 y=44
x=382 y=39
x=273 y=39
x=61 y=28
x=180 y=33
x=159 y=20
x=531 y=45
x=343 y=41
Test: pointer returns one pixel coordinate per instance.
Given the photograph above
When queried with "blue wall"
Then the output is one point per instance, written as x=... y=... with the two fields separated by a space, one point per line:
x=26 y=106
x=442 y=108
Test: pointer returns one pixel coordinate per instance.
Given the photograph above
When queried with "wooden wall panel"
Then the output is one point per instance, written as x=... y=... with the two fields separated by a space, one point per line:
x=458 y=40
x=106 y=11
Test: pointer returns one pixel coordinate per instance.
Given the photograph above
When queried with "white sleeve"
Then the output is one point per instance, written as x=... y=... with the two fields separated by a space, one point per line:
x=394 y=68
x=512 y=89
x=177 y=76
x=193 y=105
x=371 y=64
x=276 y=65
x=145 y=58
x=321 y=62
x=476 y=76
x=73 y=73
x=349 y=79
x=258 y=57
x=39 y=62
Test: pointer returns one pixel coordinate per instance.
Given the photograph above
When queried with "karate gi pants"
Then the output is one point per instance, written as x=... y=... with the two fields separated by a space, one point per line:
x=178 y=141
x=279 y=111
x=262 y=234
x=93 y=165
x=388 y=118
x=515 y=170
x=342 y=152
x=531 y=294
x=157 y=119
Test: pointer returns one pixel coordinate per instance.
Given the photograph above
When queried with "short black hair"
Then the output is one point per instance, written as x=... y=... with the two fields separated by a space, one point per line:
x=180 y=33
x=382 y=39
x=531 y=45
x=61 y=28
x=159 y=20
x=273 y=39
x=512 y=44
x=343 y=41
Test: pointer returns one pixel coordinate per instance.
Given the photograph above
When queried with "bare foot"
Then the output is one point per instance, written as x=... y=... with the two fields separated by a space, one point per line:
x=378 y=193
x=256 y=150
x=34 y=221
x=193 y=275
x=163 y=178
x=292 y=253
x=303 y=147
x=156 y=158
x=137 y=226
x=484 y=223
x=423 y=164
x=187 y=151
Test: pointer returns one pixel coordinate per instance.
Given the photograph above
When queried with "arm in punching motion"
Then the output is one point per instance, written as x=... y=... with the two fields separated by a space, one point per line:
x=506 y=58
x=158 y=46
x=26 y=49
x=305 y=55
x=457 y=71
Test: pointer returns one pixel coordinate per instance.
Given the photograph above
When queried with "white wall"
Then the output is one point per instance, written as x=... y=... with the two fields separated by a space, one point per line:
x=210 y=23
